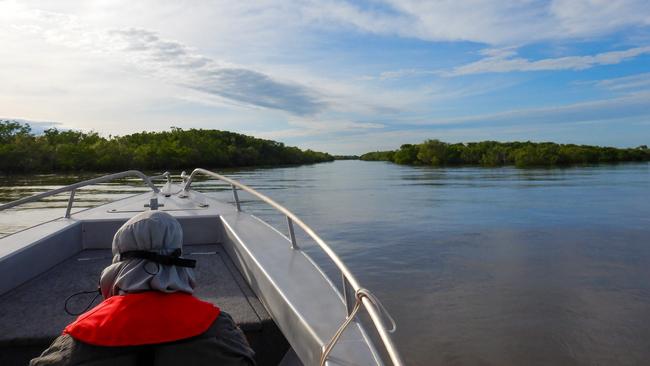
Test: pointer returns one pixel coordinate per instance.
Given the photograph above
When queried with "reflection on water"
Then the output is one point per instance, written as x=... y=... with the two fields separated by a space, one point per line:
x=478 y=266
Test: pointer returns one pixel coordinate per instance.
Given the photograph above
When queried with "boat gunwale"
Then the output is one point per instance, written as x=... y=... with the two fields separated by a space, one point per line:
x=370 y=302
x=373 y=307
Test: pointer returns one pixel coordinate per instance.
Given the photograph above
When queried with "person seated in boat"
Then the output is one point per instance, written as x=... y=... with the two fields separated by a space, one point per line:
x=149 y=315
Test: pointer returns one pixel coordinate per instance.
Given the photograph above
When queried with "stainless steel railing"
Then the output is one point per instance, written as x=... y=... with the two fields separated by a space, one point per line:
x=72 y=188
x=362 y=296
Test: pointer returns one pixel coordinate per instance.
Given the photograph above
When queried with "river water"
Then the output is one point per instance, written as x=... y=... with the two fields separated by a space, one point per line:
x=478 y=266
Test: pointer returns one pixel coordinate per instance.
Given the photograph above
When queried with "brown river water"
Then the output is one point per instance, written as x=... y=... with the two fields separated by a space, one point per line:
x=478 y=266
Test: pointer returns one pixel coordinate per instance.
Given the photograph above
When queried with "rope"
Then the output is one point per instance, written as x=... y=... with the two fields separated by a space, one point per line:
x=359 y=295
x=339 y=332
x=65 y=305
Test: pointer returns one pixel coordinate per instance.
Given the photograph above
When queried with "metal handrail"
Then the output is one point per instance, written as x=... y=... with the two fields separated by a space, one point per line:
x=166 y=175
x=72 y=188
x=370 y=303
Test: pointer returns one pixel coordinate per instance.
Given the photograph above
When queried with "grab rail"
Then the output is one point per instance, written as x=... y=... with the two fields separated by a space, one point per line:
x=166 y=175
x=72 y=188
x=363 y=296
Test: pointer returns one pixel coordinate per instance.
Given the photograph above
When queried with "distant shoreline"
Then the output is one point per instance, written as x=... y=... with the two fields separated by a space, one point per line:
x=518 y=154
x=22 y=152
x=75 y=151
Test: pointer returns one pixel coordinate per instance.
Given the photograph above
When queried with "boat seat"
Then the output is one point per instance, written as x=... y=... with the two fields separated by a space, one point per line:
x=33 y=314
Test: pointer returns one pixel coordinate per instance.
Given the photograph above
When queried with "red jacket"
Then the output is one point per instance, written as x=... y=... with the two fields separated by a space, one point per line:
x=143 y=318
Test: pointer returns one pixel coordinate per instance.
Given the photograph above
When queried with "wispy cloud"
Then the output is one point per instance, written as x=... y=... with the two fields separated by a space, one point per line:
x=485 y=21
x=207 y=75
x=508 y=62
x=564 y=123
x=399 y=74
x=504 y=60
x=494 y=22
x=206 y=80
x=177 y=62
x=627 y=133
x=294 y=68
x=308 y=127
x=626 y=83
x=620 y=121
x=631 y=105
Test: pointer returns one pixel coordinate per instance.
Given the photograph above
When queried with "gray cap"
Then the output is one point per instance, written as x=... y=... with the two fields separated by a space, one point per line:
x=154 y=231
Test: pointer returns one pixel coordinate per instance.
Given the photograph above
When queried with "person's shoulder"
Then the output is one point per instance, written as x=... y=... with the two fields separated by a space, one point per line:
x=66 y=350
x=222 y=344
x=223 y=323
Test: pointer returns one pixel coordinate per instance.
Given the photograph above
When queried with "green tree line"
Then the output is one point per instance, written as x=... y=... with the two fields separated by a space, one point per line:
x=346 y=157
x=493 y=153
x=55 y=150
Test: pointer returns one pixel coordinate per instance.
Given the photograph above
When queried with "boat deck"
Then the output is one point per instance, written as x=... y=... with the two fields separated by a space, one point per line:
x=33 y=314
x=274 y=290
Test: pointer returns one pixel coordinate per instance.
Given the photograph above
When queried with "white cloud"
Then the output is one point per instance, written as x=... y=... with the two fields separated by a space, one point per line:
x=121 y=66
x=269 y=23
x=485 y=21
x=572 y=123
x=235 y=83
x=626 y=83
x=504 y=60
x=309 y=127
x=621 y=121
x=627 y=106
x=176 y=61
x=507 y=62
x=627 y=133
x=596 y=17
x=399 y=74
x=148 y=55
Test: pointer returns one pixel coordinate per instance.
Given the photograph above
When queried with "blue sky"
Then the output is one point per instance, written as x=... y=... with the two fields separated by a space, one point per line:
x=340 y=76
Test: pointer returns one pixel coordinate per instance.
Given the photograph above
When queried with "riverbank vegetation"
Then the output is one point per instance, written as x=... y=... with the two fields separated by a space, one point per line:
x=520 y=154
x=21 y=151
x=346 y=157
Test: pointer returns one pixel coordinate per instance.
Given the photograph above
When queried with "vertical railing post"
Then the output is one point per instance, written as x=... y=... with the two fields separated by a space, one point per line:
x=349 y=305
x=70 y=202
x=292 y=234
x=234 y=194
